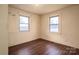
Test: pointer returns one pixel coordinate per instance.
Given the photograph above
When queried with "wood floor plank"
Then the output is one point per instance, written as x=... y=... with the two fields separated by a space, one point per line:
x=42 y=47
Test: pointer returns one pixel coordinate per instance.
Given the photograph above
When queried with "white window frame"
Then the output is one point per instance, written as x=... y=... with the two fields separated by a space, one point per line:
x=27 y=23
x=58 y=24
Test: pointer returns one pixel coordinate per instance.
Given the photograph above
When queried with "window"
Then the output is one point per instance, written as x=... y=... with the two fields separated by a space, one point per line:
x=53 y=24
x=24 y=23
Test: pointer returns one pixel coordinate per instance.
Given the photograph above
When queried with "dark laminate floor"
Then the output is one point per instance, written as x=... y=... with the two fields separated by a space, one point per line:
x=42 y=47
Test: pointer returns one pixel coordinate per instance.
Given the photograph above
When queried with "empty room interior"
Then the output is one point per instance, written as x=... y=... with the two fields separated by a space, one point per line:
x=40 y=29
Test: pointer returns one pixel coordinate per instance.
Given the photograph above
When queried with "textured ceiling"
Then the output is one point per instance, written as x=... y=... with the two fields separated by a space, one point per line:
x=39 y=8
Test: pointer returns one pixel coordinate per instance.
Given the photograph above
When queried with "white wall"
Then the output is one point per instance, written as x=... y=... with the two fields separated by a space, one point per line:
x=16 y=37
x=69 y=26
x=3 y=29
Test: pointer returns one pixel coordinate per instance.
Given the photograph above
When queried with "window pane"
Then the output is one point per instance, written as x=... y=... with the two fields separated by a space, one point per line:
x=23 y=19
x=24 y=28
x=54 y=28
x=22 y=25
x=54 y=20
